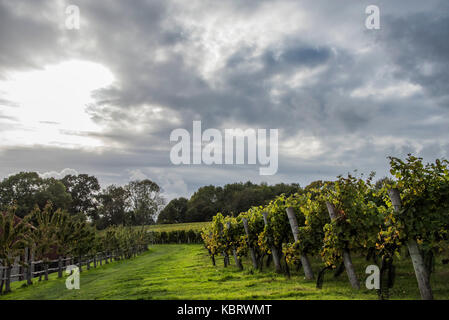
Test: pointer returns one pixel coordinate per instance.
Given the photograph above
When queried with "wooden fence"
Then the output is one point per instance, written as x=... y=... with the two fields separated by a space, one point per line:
x=30 y=270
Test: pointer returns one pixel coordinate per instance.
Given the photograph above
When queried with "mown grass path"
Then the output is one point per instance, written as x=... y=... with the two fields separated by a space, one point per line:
x=185 y=272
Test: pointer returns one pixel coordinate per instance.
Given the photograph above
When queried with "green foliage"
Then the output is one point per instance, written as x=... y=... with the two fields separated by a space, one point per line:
x=14 y=236
x=83 y=189
x=232 y=199
x=424 y=216
x=278 y=230
x=358 y=220
x=145 y=200
x=25 y=190
x=174 y=212
x=364 y=220
x=312 y=216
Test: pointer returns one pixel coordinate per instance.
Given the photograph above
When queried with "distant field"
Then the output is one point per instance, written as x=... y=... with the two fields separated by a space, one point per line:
x=196 y=226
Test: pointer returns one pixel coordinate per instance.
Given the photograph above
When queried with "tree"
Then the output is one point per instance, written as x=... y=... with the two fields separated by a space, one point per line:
x=174 y=212
x=45 y=234
x=54 y=191
x=232 y=199
x=145 y=201
x=204 y=204
x=25 y=190
x=83 y=190
x=14 y=237
x=113 y=204
x=20 y=190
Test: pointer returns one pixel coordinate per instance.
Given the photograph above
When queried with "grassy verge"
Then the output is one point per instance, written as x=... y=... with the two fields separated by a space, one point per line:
x=185 y=272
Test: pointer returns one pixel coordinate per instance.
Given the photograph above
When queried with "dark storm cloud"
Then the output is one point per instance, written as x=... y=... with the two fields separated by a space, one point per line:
x=419 y=46
x=355 y=93
x=28 y=39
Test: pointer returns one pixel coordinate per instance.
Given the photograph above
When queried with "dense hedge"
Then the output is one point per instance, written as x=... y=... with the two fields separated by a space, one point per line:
x=174 y=236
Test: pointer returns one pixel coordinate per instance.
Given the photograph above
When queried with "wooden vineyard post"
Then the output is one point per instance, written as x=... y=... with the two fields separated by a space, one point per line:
x=237 y=261
x=251 y=249
x=225 y=254
x=422 y=275
x=274 y=250
x=304 y=259
x=346 y=254
x=212 y=256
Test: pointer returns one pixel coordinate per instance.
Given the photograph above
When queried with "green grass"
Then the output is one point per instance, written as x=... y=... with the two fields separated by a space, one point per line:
x=185 y=272
x=196 y=226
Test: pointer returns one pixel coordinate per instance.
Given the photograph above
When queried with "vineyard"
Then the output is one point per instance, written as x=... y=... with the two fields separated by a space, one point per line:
x=339 y=220
x=176 y=233
x=195 y=226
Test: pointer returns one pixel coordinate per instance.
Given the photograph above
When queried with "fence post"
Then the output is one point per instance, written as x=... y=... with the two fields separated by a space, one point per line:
x=274 y=250
x=59 y=267
x=80 y=263
x=29 y=274
x=346 y=254
x=8 y=279
x=1 y=278
x=46 y=270
x=304 y=259
x=88 y=262
x=251 y=249
x=21 y=269
x=95 y=260
x=421 y=272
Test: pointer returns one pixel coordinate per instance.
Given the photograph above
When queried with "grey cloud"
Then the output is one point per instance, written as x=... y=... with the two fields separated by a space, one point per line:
x=150 y=51
x=419 y=47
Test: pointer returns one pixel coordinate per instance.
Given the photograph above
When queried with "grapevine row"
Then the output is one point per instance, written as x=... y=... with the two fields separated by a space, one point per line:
x=336 y=220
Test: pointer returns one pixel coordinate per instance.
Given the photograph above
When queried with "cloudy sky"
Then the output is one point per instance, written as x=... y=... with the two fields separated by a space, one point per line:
x=103 y=99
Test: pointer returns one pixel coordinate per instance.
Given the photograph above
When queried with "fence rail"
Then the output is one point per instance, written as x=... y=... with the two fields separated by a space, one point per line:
x=29 y=272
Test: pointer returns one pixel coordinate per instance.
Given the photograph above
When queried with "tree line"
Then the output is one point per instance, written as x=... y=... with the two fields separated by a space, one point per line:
x=230 y=199
x=139 y=202
x=136 y=203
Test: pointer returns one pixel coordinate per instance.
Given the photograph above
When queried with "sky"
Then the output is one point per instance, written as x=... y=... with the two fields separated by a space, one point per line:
x=104 y=98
